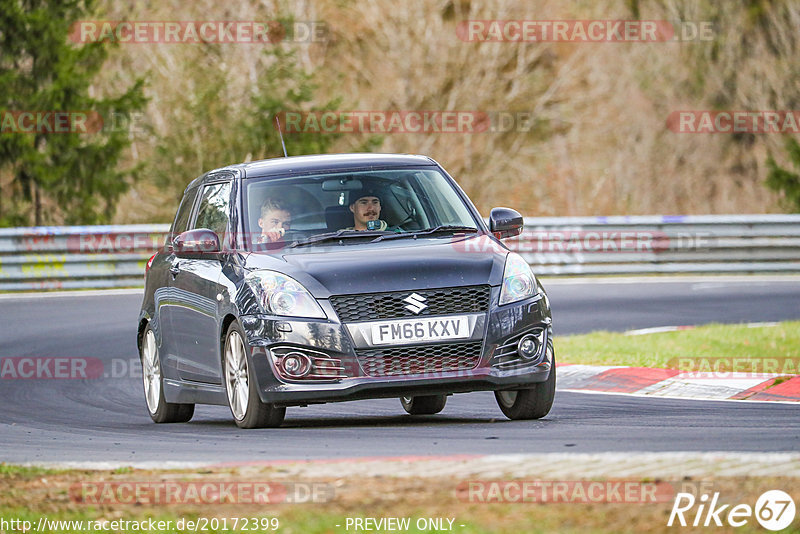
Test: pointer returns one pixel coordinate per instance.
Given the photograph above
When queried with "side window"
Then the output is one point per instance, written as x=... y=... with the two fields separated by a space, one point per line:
x=181 y=222
x=214 y=208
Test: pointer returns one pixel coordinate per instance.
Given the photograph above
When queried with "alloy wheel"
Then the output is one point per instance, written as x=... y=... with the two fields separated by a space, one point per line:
x=236 y=375
x=151 y=374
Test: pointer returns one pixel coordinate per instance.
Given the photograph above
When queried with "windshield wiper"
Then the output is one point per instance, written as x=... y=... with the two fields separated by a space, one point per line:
x=428 y=231
x=333 y=236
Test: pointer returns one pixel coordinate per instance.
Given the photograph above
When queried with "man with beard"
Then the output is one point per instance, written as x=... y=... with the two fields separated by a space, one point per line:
x=366 y=208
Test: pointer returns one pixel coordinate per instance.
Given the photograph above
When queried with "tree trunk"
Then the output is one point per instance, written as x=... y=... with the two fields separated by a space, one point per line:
x=37 y=203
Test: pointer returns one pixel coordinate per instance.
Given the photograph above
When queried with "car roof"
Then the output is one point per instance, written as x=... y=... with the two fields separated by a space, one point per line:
x=305 y=164
x=316 y=163
x=329 y=161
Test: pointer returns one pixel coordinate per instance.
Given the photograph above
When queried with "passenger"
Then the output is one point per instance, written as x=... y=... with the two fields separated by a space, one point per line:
x=275 y=220
x=366 y=208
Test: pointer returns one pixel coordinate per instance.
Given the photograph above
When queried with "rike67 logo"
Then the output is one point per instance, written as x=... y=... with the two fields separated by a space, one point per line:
x=774 y=510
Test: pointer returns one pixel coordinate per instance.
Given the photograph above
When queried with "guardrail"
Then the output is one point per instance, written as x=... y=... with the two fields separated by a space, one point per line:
x=661 y=244
x=73 y=257
x=115 y=256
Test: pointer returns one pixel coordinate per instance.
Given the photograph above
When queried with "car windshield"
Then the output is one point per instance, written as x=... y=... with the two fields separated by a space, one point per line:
x=352 y=206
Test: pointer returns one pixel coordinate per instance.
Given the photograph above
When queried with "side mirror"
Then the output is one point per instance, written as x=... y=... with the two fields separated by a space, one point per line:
x=505 y=222
x=196 y=242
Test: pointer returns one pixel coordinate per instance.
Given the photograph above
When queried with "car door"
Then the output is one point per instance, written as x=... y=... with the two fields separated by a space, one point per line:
x=161 y=279
x=194 y=323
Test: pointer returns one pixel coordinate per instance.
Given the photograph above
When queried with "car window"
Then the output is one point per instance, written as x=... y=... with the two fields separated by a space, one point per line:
x=181 y=222
x=444 y=202
x=214 y=208
x=304 y=206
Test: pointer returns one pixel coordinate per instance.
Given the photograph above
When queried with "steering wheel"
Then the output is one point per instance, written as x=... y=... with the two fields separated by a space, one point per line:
x=402 y=225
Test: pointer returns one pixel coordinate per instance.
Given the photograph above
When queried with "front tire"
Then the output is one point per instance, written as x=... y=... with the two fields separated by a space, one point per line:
x=424 y=404
x=159 y=409
x=240 y=385
x=533 y=403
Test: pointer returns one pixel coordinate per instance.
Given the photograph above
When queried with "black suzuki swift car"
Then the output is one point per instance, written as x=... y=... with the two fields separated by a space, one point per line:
x=316 y=279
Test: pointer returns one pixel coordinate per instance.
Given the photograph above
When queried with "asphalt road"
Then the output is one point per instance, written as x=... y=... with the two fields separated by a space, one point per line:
x=105 y=419
x=586 y=305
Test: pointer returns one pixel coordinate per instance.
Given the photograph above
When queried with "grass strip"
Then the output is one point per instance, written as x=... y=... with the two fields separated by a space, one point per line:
x=714 y=347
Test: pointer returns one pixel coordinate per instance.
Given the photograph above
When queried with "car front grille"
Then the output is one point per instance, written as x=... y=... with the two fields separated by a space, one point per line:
x=419 y=359
x=442 y=301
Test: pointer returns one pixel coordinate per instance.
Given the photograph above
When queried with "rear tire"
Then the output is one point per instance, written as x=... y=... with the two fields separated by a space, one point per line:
x=240 y=385
x=533 y=403
x=159 y=409
x=424 y=404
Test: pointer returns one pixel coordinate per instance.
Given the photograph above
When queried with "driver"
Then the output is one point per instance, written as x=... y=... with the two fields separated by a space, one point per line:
x=275 y=220
x=366 y=208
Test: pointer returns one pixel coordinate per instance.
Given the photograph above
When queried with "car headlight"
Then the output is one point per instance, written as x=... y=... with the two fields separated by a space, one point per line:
x=278 y=294
x=519 y=281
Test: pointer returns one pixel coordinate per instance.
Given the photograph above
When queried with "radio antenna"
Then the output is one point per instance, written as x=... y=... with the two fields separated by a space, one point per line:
x=281 y=136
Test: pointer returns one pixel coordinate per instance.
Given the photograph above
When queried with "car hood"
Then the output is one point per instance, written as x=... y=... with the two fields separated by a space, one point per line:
x=400 y=265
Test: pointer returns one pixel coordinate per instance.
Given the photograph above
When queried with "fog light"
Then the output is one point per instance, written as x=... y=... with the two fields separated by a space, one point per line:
x=528 y=347
x=296 y=364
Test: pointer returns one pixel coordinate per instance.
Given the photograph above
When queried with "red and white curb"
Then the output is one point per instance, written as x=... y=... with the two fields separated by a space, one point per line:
x=674 y=383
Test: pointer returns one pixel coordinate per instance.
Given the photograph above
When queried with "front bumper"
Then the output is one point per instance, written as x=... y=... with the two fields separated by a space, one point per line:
x=501 y=325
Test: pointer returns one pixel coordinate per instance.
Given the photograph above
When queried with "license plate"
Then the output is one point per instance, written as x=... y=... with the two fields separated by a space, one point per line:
x=416 y=330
